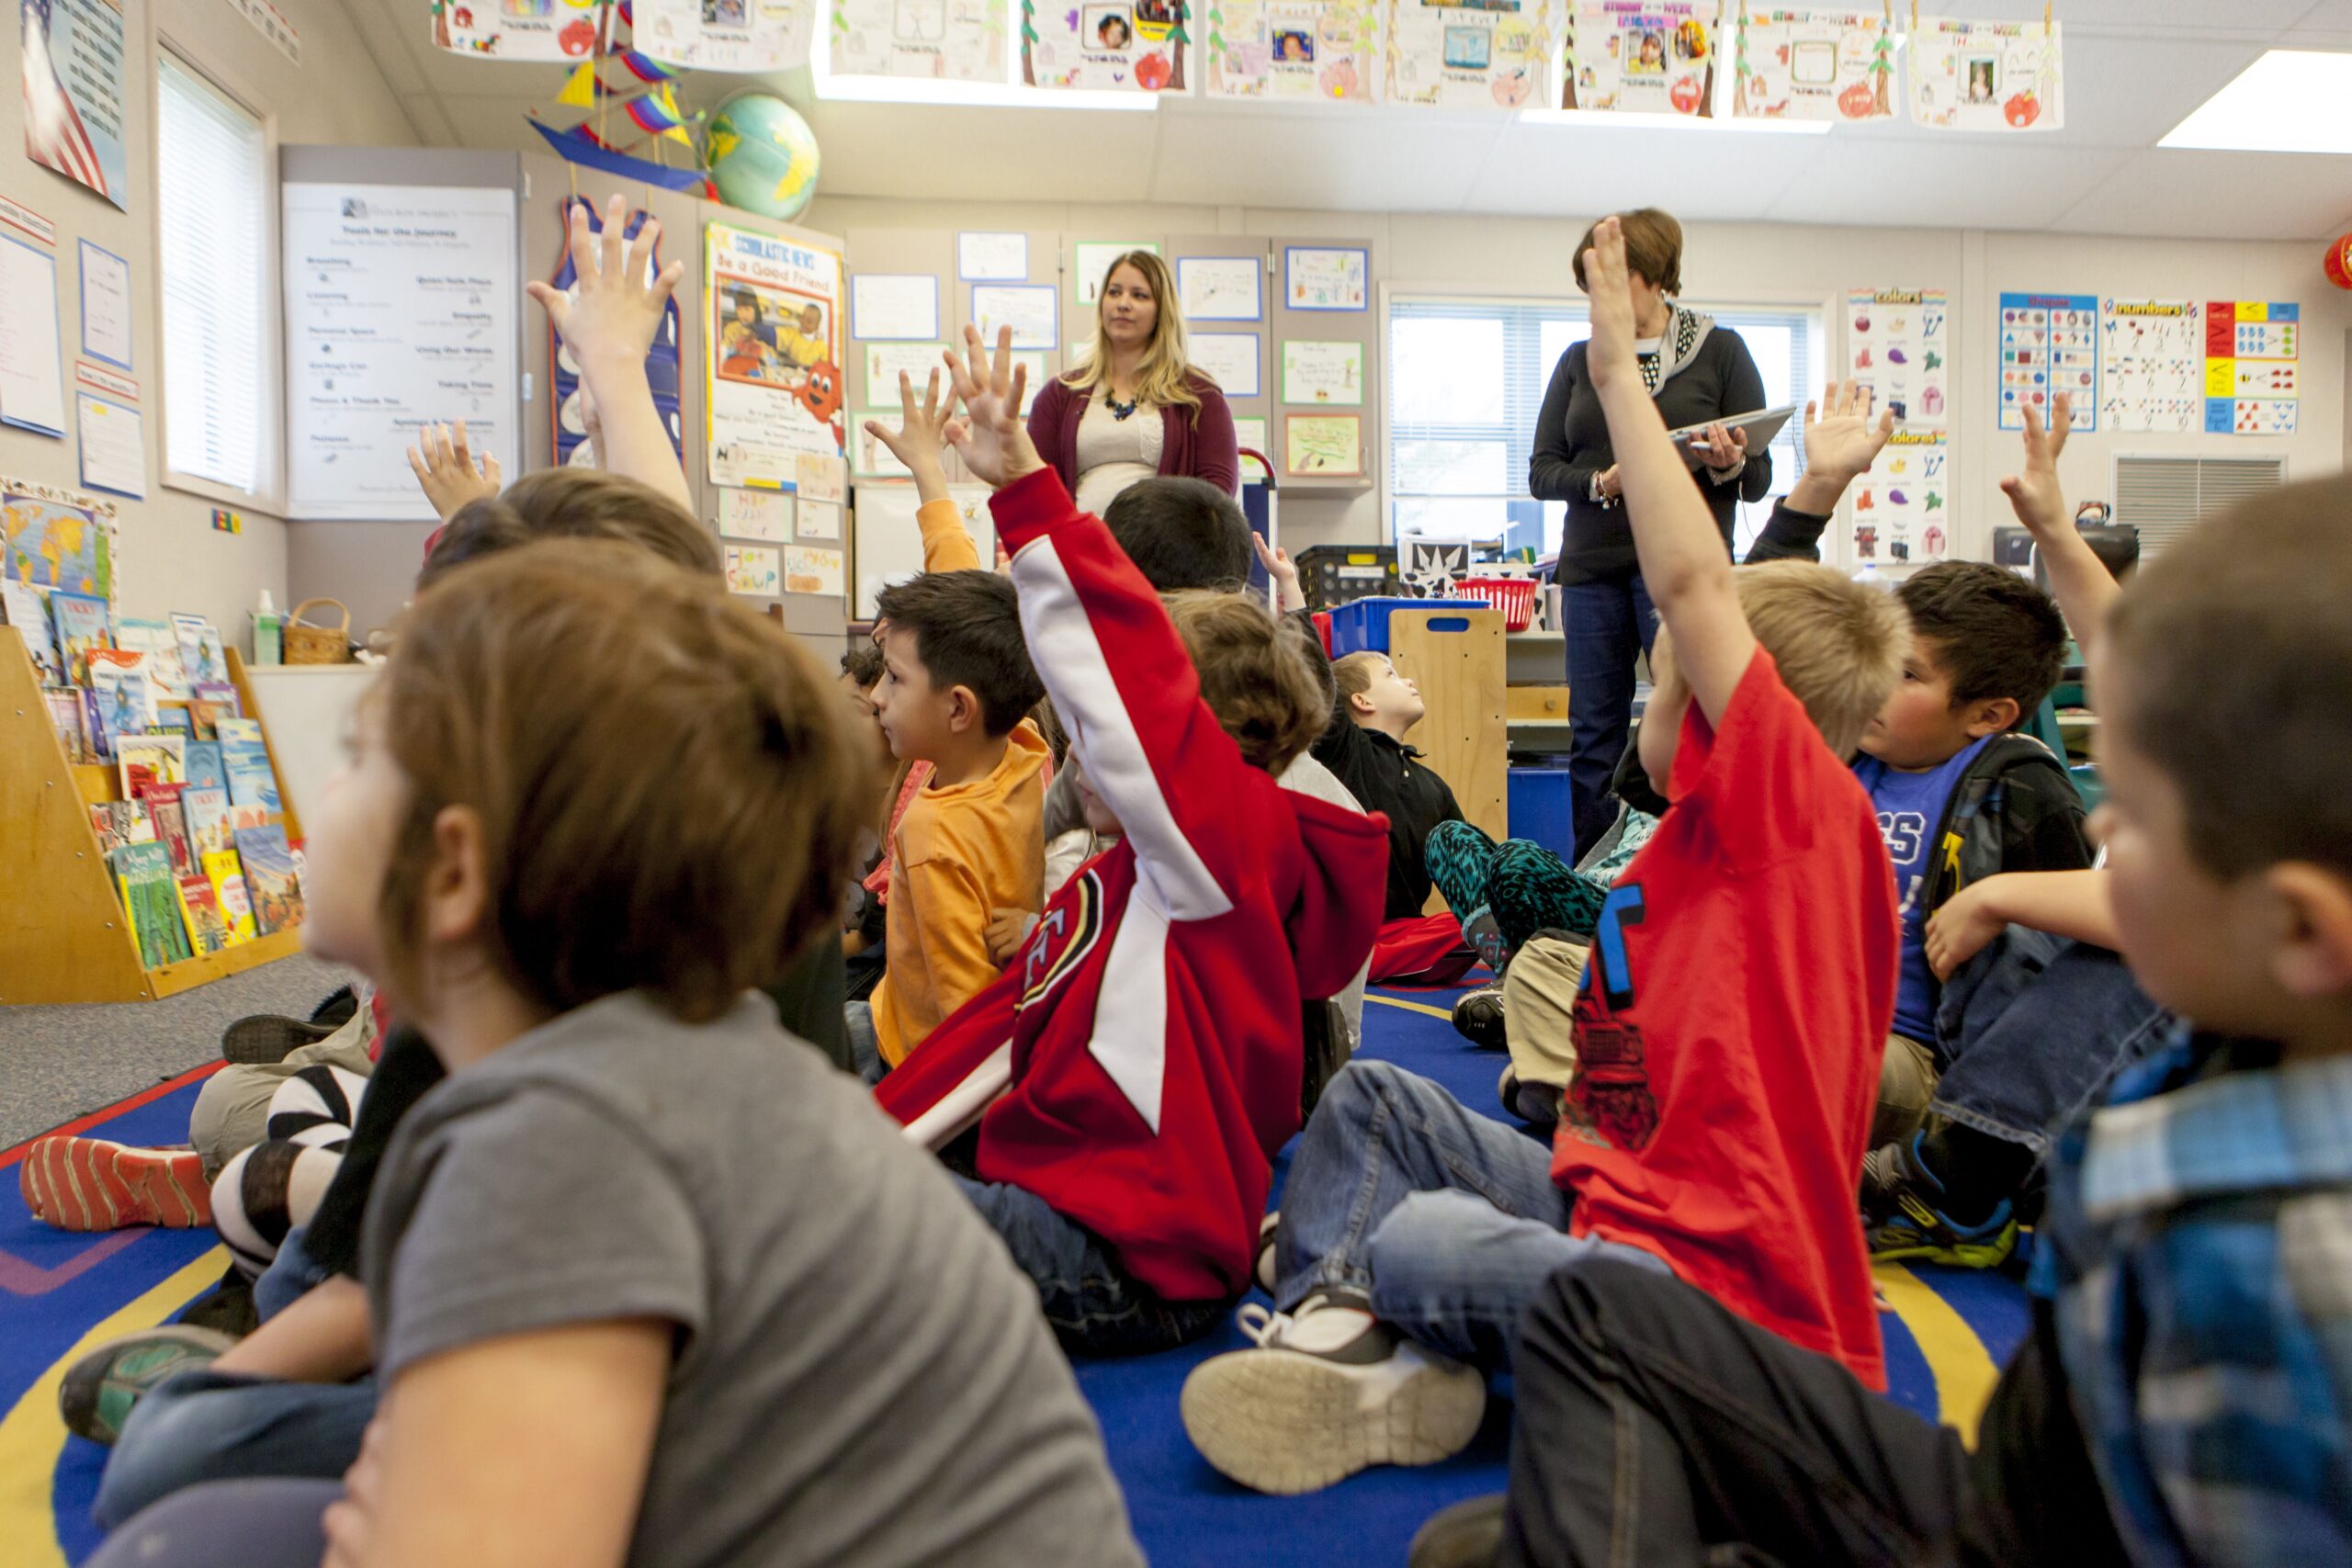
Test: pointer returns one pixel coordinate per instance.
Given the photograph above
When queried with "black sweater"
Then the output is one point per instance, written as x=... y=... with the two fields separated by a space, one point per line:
x=1572 y=445
x=1387 y=775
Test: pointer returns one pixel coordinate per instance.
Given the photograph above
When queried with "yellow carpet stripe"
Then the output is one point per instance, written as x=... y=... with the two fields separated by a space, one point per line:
x=1964 y=1374
x=1411 y=1006
x=33 y=1437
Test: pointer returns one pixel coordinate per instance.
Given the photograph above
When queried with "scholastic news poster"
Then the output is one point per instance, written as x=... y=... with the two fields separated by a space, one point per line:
x=773 y=345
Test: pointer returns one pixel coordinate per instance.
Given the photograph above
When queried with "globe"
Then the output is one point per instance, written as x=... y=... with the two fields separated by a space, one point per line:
x=762 y=156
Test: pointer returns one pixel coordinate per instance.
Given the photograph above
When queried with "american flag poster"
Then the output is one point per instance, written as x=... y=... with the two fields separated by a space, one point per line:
x=72 y=58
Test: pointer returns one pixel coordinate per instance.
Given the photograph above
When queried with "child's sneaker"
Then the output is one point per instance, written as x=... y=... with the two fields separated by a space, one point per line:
x=100 y=1391
x=89 y=1184
x=1900 y=1194
x=1478 y=1017
x=1467 y=1535
x=1263 y=1266
x=1328 y=1391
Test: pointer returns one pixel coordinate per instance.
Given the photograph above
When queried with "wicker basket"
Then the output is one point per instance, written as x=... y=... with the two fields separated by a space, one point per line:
x=317 y=645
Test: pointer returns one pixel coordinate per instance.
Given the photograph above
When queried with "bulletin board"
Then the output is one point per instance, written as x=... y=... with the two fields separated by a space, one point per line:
x=1233 y=335
x=1323 y=369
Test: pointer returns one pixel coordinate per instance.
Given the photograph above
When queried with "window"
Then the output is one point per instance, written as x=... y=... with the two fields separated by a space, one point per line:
x=2166 y=497
x=213 y=194
x=1466 y=383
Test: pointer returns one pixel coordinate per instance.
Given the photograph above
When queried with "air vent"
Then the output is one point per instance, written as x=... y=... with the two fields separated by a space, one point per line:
x=2165 y=496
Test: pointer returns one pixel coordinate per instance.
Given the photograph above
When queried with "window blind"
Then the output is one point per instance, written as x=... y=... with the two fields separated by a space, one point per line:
x=212 y=214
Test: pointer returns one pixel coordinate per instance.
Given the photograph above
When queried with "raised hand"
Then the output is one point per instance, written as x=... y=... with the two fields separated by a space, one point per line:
x=923 y=426
x=445 y=467
x=1282 y=570
x=1843 y=442
x=2034 y=495
x=991 y=440
x=1610 y=355
x=613 y=313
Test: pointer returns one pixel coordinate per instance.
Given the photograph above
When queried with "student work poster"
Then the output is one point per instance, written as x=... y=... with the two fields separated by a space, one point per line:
x=522 y=30
x=1325 y=51
x=1642 y=56
x=729 y=35
x=1122 y=46
x=73 y=92
x=946 y=40
x=772 y=337
x=1473 y=54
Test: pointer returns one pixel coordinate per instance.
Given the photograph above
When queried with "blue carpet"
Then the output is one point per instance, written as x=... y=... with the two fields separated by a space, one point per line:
x=54 y=1288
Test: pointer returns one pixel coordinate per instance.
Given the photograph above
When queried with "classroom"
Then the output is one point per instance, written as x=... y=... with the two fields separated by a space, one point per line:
x=1656 y=873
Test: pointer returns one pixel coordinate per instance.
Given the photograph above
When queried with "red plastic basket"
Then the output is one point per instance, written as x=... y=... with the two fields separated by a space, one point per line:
x=1514 y=596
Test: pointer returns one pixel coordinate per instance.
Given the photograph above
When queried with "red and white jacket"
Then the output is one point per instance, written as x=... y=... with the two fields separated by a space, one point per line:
x=1138 y=1065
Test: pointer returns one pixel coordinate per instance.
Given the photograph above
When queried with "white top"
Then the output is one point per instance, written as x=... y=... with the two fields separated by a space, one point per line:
x=1114 y=452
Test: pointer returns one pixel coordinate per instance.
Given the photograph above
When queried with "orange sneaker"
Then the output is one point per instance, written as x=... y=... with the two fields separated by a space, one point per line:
x=89 y=1184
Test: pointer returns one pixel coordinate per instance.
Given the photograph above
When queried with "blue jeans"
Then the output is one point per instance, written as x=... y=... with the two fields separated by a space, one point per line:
x=227 y=1524
x=2032 y=1032
x=857 y=1018
x=1605 y=623
x=208 y=1425
x=1095 y=1306
x=1448 y=1220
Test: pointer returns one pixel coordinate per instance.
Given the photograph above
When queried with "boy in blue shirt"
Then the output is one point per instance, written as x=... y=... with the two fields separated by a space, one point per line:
x=1960 y=796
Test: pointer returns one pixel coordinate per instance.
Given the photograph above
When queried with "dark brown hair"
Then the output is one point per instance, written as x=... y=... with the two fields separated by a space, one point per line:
x=2235 y=649
x=967 y=633
x=668 y=789
x=1653 y=248
x=1256 y=674
x=1995 y=635
x=863 y=663
x=572 y=503
x=1181 y=532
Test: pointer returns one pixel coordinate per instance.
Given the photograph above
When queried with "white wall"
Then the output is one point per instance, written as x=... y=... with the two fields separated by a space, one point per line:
x=1767 y=262
x=169 y=556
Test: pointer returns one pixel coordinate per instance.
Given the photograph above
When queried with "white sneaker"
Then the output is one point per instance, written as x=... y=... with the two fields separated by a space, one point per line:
x=1328 y=1391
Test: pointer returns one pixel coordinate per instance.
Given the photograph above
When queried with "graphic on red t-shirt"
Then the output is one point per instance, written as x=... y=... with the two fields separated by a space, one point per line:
x=1609 y=1100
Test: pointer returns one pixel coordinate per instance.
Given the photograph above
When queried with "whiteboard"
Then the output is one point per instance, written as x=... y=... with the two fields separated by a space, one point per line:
x=307 y=709
x=889 y=542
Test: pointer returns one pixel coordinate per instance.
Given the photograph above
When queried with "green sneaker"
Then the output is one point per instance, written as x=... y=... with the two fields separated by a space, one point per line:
x=1915 y=1233
x=101 y=1388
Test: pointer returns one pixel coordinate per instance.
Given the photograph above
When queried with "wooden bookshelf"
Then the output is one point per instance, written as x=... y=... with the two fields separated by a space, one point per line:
x=63 y=935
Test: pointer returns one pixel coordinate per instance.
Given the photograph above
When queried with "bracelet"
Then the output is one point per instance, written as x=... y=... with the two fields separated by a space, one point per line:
x=1724 y=476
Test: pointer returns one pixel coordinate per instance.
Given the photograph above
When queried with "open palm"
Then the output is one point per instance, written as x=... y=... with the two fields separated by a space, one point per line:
x=1845 y=440
x=991 y=439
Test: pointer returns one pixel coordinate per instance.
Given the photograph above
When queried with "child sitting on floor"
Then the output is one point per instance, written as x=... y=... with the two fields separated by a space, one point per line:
x=1729 y=1033
x=2181 y=1396
x=1364 y=748
x=1134 y=1071
x=591 y=800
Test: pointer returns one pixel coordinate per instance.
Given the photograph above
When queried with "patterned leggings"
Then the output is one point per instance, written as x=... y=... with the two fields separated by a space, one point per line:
x=1505 y=894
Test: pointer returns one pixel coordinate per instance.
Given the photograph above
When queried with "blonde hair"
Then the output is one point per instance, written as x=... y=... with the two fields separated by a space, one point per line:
x=1839 y=644
x=1256 y=674
x=1162 y=374
x=1352 y=673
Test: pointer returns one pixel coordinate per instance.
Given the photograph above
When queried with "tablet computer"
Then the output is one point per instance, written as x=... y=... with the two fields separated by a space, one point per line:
x=1761 y=427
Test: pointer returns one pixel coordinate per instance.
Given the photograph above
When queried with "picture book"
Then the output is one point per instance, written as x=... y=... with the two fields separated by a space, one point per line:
x=204 y=767
x=208 y=702
x=247 y=729
x=26 y=610
x=208 y=929
x=132 y=824
x=173 y=719
x=149 y=760
x=271 y=881
x=126 y=703
x=80 y=624
x=251 y=781
x=160 y=644
x=206 y=810
x=151 y=897
x=66 y=715
x=229 y=888
x=243 y=816
x=200 y=652
x=171 y=829
x=102 y=824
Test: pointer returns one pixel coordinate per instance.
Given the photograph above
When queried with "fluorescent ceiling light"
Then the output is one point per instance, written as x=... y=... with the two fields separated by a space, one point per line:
x=1675 y=122
x=2290 y=100
x=970 y=94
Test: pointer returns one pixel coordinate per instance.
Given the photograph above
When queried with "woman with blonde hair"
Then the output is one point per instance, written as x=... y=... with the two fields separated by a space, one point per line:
x=1134 y=406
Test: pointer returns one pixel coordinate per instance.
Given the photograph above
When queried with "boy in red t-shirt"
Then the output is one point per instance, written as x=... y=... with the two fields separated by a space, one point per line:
x=1729 y=1031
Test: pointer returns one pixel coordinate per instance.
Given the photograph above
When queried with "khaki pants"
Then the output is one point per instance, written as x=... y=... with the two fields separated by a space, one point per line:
x=1907 y=1085
x=233 y=1109
x=1539 y=1007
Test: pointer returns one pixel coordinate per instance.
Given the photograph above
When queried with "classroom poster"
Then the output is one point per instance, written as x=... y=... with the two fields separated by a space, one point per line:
x=772 y=343
x=1323 y=446
x=2049 y=344
x=572 y=447
x=57 y=539
x=1322 y=372
x=2151 y=366
x=1472 y=53
x=1803 y=64
x=523 y=29
x=106 y=306
x=1221 y=288
x=1231 y=360
x=1090 y=262
x=743 y=36
x=1029 y=309
x=947 y=41
x=809 y=570
x=1292 y=51
x=2251 y=369
x=1119 y=46
x=755 y=514
x=72 y=71
x=1986 y=77
x=1900 y=513
x=1318 y=278
x=755 y=570
x=1898 y=344
x=114 y=446
x=1642 y=56
x=401 y=312
x=32 y=363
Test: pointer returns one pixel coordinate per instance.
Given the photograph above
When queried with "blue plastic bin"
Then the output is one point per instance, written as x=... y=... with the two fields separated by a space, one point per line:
x=1538 y=803
x=1363 y=626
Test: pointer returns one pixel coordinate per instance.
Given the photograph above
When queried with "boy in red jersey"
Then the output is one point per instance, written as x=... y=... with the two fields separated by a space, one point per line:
x=1135 y=1069
x=1729 y=1029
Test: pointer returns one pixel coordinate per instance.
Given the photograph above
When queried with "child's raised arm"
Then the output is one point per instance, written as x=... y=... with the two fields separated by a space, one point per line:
x=922 y=433
x=2078 y=578
x=609 y=322
x=1682 y=556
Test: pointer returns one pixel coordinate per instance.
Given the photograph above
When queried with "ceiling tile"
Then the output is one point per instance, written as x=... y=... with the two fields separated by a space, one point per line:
x=1579 y=169
x=1368 y=159
x=1955 y=182
x=2258 y=196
